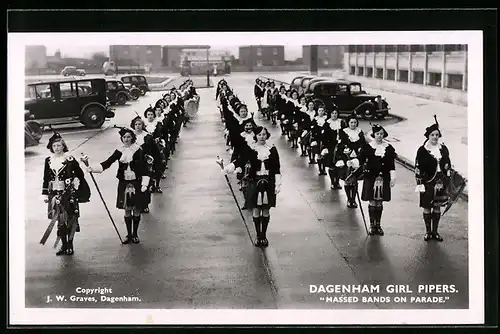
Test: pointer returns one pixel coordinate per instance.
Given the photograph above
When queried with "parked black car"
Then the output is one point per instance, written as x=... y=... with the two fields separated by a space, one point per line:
x=68 y=101
x=118 y=94
x=136 y=80
x=348 y=97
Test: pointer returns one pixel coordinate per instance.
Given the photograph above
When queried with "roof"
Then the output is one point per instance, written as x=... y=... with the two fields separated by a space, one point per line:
x=63 y=80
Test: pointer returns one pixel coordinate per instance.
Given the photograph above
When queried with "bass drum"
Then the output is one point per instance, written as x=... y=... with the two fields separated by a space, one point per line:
x=191 y=107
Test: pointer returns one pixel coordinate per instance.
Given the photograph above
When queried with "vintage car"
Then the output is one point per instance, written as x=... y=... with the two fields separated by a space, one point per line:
x=72 y=70
x=136 y=80
x=347 y=97
x=68 y=101
x=117 y=93
x=32 y=130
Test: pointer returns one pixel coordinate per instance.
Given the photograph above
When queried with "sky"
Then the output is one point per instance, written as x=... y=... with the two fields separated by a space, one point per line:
x=292 y=52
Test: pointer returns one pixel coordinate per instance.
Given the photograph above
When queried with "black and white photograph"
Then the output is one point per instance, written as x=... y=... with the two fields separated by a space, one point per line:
x=246 y=178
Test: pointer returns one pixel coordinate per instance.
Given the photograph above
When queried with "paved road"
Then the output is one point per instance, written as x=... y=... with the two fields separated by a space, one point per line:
x=196 y=252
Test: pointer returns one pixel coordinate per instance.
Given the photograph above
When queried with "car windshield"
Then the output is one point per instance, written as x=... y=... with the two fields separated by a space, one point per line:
x=327 y=89
x=141 y=79
x=355 y=89
x=120 y=85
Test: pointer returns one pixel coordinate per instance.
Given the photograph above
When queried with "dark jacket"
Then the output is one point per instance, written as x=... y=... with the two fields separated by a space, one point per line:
x=272 y=163
x=69 y=170
x=137 y=165
x=375 y=165
x=426 y=164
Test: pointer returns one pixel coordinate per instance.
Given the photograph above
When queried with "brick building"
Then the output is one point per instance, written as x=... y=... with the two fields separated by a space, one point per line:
x=329 y=56
x=141 y=54
x=255 y=56
x=443 y=66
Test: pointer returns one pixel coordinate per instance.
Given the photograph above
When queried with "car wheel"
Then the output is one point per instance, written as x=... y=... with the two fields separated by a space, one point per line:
x=367 y=114
x=93 y=117
x=143 y=91
x=121 y=99
x=135 y=94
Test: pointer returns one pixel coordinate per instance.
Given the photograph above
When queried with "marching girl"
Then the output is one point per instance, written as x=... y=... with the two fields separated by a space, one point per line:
x=64 y=187
x=265 y=100
x=377 y=159
x=352 y=139
x=264 y=181
x=150 y=120
x=137 y=124
x=331 y=139
x=299 y=117
x=305 y=124
x=133 y=180
x=291 y=113
x=432 y=169
x=284 y=112
x=158 y=137
x=258 y=91
x=242 y=152
x=319 y=125
x=280 y=106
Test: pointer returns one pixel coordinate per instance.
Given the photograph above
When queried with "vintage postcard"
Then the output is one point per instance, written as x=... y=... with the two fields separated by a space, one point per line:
x=246 y=178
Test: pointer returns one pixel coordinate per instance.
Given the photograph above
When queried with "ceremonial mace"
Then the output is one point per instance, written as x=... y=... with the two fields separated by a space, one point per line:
x=220 y=162
x=85 y=160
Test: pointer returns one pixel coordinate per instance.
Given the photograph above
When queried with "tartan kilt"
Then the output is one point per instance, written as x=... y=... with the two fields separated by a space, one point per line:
x=261 y=184
x=435 y=195
x=368 y=191
x=139 y=200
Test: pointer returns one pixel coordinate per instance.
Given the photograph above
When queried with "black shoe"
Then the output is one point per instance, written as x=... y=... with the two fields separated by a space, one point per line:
x=427 y=236
x=135 y=240
x=265 y=242
x=61 y=251
x=145 y=210
x=373 y=230
x=437 y=237
x=77 y=227
x=258 y=243
x=70 y=251
x=127 y=240
x=322 y=173
x=159 y=191
x=380 y=231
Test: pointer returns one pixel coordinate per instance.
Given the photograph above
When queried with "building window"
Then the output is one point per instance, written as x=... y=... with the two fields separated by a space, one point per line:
x=417 y=48
x=325 y=51
x=369 y=48
x=275 y=51
x=403 y=75
x=351 y=48
x=434 y=79
x=455 y=81
x=403 y=48
x=418 y=77
x=391 y=74
x=352 y=70
x=275 y=62
x=369 y=72
x=361 y=71
x=378 y=48
x=379 y=73
x=325 y=62
x=259 y=52
x=172 y=64
x=390 y=48
x=149 y=52
x=434 y=48
x=259 y=62
x=125 y=52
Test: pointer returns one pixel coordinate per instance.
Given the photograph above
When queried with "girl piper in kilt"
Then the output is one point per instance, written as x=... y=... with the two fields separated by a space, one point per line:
x=133 y=180
x=432 y=168
x=305 y=124
x=64 y=187
x=352 y=140
x=264 y=181
x=318 y=127
x=331 y=140
x=379 y=170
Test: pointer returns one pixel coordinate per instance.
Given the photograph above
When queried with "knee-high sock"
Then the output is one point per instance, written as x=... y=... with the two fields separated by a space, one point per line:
x=136 y=220
x=257 y=223
x=265 y=223
x=64 y=237
x=372 y=212
x=427 y=221
x=128 y=224
x=436 y=216
x=378 y=217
